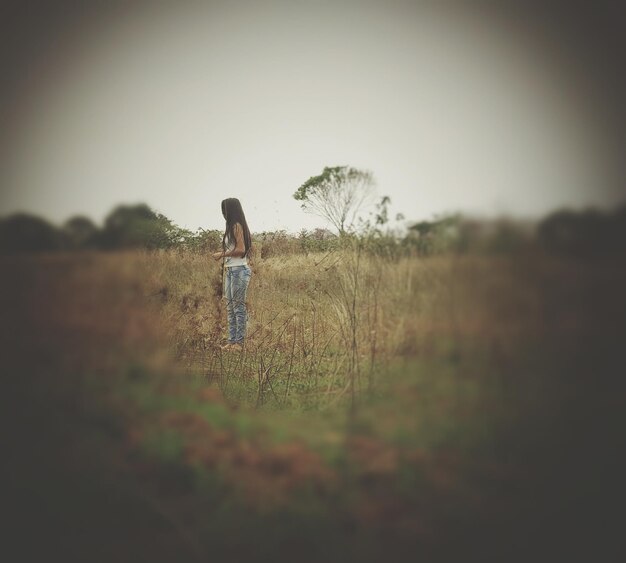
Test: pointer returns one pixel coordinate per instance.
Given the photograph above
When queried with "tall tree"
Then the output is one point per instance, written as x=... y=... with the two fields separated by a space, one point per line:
x=80 y=232
x=337 y=195
x=138 y=226
x=23 y=232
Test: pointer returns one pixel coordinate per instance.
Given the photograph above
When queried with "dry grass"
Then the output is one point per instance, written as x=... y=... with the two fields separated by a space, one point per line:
x=467 y=378
x=326 y=323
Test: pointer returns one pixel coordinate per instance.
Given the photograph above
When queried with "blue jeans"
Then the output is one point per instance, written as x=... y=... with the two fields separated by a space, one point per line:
x=236 y=280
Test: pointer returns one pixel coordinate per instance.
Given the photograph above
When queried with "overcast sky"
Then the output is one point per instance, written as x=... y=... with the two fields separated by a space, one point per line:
x=451 y=109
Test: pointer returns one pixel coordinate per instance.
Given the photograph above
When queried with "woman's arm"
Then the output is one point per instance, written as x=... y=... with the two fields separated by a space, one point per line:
x=240 y=246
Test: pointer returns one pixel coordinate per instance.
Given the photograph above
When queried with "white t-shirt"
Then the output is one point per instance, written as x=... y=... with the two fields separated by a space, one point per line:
x=232 y=260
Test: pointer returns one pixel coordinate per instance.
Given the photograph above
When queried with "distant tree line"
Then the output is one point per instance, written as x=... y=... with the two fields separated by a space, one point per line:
x=585 y=233
x=126 y=227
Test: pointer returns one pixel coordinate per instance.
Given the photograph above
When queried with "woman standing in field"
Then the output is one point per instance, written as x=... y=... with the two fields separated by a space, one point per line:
x=236 y=244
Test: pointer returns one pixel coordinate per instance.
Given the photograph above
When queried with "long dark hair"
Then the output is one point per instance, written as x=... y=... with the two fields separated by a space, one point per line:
x=233 y=213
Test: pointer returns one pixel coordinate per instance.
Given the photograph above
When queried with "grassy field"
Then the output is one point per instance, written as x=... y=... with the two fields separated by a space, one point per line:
x=454 y=406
